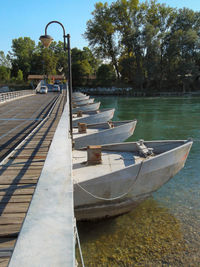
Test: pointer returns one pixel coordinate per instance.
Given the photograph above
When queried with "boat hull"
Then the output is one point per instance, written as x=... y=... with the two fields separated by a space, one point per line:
x=83 y=102
x=126 y=188
x=87 y=108
x=103 y=116
x=107 y=136
x=80 y=98
x=78 y=94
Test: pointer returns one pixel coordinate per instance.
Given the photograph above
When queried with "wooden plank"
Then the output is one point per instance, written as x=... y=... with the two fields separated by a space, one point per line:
x=14 y=207
x=6 y=252
x=27 y=162
x=22 y=168
x=38 y=142
x=4 y=261
x=41 y=151
x=22 y=172
x=15 y=187
x=5 y=220
x=24 y=165
x=7 y=242
x=25 y=191
x=10 y=230
x=32 y=148
x=8 y=181
x=29 y=157
x=15 y=215
x=26 y=176
x=15 y=199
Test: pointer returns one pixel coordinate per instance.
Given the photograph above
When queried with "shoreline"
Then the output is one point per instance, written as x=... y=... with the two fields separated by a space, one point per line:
x=129 y=92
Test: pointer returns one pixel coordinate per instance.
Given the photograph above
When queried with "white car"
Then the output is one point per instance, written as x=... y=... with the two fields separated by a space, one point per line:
x=43 y=90
x=56 y=88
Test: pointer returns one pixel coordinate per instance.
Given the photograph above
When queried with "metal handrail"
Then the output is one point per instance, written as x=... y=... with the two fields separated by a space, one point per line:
x=8 y=96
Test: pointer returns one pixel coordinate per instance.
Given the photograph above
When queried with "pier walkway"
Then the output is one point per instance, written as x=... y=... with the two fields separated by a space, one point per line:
x=35 y=157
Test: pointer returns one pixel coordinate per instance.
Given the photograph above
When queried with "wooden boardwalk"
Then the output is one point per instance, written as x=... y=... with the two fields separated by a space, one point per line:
x=19 y=117
x=21 y=170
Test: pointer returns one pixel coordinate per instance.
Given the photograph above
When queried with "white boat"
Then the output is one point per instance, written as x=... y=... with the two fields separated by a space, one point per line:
x=80 y=98
x=83 y=102
x=103 y=115
x=87 y=108
x=104 y=133
x=78 y=94
x=129 y=173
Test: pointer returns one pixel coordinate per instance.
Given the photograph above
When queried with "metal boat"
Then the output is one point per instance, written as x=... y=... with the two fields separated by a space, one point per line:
x=78 y=94
x=129 y=173
x=79 y=98
x=104 y=133
x=87 y=108
x=103 y=115
x=83 y=102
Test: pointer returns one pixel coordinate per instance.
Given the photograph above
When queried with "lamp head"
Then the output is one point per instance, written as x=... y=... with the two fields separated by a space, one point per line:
x=60 y=69
x=46 y=40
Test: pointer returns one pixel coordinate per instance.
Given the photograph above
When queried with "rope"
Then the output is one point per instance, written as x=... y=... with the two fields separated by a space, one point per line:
x=79 y=244
x=114 y=198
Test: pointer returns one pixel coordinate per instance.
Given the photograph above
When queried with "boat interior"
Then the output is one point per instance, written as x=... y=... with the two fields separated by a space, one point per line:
x=116 y=157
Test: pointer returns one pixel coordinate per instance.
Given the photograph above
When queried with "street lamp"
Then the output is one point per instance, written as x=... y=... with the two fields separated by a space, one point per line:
x=60 y=69
x=46 y=40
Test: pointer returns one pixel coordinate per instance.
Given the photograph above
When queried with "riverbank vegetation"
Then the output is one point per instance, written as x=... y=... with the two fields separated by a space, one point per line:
x=147 y=46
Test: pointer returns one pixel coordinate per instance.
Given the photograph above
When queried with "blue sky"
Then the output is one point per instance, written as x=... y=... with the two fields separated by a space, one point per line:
x=21 y=18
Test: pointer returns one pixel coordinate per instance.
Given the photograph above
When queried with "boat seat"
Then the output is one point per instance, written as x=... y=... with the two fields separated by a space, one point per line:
x=144 y=151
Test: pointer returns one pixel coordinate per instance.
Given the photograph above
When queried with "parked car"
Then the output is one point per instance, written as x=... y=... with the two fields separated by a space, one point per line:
x=57 y=82
x=56 y=88
x=43 y=89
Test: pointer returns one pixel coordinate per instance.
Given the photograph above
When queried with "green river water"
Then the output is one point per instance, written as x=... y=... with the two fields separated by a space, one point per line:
x=165 y=229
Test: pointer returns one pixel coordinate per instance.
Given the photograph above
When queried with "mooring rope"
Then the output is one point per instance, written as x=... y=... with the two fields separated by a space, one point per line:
x=114 y=198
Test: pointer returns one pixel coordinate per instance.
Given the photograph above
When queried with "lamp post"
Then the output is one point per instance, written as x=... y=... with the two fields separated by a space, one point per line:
x=46 y=40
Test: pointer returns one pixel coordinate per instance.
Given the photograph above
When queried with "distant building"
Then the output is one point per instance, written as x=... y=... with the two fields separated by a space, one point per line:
x=38 y=78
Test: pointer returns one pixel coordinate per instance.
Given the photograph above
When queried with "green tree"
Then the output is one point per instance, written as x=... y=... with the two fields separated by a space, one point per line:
x=80 y=72
x=101 y=34
x=20 y=76
x=49 y=60
x=37 y=63
x=92 y=60
x=61 y=55
x=128 y=69
x=105 y=74
x=84 y=64
x=183 y=47
x=128 y=19
x=4 y=60
x=44 y=61
x=21 y=55
x=4 y=74
x=157 y=26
